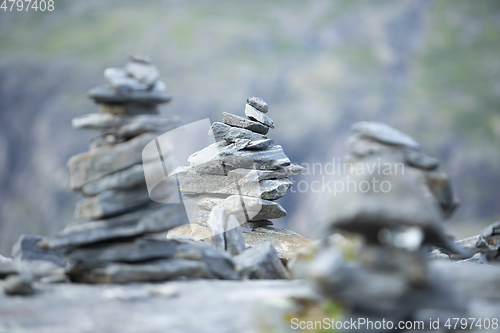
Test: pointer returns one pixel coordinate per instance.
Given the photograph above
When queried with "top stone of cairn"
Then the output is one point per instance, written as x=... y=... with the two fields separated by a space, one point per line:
x=258 y=103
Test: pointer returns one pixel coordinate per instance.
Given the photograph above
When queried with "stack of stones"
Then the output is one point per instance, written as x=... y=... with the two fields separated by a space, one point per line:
x=116 y=236
x=246 y=172
x=390 y=278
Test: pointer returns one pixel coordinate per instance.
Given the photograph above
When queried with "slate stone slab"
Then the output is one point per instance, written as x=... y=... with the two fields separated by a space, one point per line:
x=258 y=175
x=258 y=103
x=106 y=94
x=385 y=134
x=126 y=126
x=159 y=270
x=237 y=121
x=261 y=262
x=256 y=115
x=129 y=109
x=191 y=181
x=143 y=71
x=26 y=248
x=121 y=180
x=217 y=158
x=231 y=134
x=99 y=162
x=121 y=82
x=233 y=236
x=151 y=219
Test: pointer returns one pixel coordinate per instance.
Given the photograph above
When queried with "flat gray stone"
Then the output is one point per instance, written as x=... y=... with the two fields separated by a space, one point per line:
x=129 y=109
x=152 y=219
x=159 y=270
x=217 y=158
x=105 y=140
x=217 y=223
x=257 y=103
x=113 y=202
x=141 y=249
x=478 y=258
x=243 y=207
x=237 y=121
x=261 y=262
x=257 y=224
x=231 y=134
x=120 y=81
x=26 y=248
x=107 y=95
x=99 y=162
x=18 y=285
x=418 y=159
x=126 y=125
x=233 y=236
x=385 y=134
x=142 y=71
x=191 y=181
x=7 y=267
x=121 y=180
x=258 y=175
x=256 y=115
x=259 y=144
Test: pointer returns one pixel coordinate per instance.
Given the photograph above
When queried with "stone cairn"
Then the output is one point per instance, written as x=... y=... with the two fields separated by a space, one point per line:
x=390 y=278
x=118 y=235
x=245 y=172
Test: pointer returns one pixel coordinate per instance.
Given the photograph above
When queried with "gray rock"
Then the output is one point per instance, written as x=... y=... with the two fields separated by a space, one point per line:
x=129 y=251
x=418 y=159
x=217 y=223
x=252 y=209
x=377 y=208
x=142 y=71
x=233 y=236
x=257 y=224
x=256 y=115
x=26 y=248
x=385 y=134
x=105 y=140
x=269 y=159
x=491 y=230
x=126 y=125
x=259 y=144
x=129 y=109
x=18 y=285
x=237 y=121
x=219 y=265
x=99 y=162
x=121 y=180
x=107 y=95
x=7 y=267
x=120 y=81
x=159 y=270
x=151 y=219
x=261 y=262
x=231 y=134
x=478 y=258
x=258 y=175
x=287 y=243
x=191 y=181
x=258 y=103
x=112 y=202
x=208 y=160
x=239 y=144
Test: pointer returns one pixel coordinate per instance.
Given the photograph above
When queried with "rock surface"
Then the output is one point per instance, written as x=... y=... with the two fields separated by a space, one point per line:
x=261 y=262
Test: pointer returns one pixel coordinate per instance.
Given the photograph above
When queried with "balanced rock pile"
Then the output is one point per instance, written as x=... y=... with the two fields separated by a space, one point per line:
x=116 y=236
x=398 y=222
x=246 y=172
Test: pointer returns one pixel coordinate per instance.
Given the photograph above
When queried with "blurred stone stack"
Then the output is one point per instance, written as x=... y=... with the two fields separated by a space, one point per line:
x=116 y=236
x=245 y=172
x=373 y=139
x=398 y=222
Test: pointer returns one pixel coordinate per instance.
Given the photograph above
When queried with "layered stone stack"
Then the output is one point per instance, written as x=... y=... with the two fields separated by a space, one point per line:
x=246 y=172
x=373 y=139
x=398 y=223
x=116 y=236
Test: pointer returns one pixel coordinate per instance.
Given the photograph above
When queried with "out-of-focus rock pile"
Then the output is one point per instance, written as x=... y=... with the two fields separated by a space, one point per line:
x=246 y=173
x=396 y=201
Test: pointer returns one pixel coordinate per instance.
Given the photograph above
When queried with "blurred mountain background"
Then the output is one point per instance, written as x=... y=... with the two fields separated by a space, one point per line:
x=429 y=68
